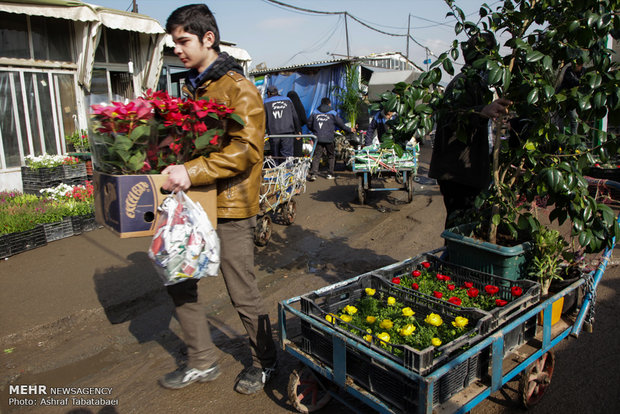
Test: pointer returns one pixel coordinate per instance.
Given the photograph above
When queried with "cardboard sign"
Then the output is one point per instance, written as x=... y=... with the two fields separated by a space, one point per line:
x=127 y=204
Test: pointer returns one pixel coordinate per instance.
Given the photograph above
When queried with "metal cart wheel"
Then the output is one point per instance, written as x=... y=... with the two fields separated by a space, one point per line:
x=535 y=379
x=361 y=193
x=262 y=232
x=306 y=392
x=410 y=187
x=289 y=212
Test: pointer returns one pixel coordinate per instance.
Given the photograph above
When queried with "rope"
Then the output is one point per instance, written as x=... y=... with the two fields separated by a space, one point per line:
x=282 y=181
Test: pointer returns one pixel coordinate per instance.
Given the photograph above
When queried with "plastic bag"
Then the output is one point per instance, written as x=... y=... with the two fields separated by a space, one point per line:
x=185 y=244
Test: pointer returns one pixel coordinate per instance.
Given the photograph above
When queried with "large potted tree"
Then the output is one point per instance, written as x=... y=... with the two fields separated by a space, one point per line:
x=545 y=159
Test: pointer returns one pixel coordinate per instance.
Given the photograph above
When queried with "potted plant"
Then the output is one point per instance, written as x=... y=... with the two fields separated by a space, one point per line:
x=542 y=162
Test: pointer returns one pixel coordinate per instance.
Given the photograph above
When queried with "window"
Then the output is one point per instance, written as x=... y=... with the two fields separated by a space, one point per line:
x=34 y=37
x=114 y=46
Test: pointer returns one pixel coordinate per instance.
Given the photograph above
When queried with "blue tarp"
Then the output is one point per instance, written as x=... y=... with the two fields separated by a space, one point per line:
x=311 y=87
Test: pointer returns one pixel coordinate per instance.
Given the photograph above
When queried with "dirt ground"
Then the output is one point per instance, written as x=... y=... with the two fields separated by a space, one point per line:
x=87 y=311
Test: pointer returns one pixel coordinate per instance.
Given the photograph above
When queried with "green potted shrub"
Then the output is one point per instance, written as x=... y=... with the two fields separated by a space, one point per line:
x=543 y=162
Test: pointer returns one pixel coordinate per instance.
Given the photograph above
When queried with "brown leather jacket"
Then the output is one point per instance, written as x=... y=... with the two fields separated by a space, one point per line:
x=237 y=167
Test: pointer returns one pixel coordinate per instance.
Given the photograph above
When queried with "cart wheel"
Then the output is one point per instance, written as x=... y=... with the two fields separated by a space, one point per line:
x=289 y=212
x=409 y=187
x=262 y=232
x=361 y=193
x=306 y=392
x=535 y=380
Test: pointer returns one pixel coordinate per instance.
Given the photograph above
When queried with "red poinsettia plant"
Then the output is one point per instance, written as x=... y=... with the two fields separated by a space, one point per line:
x=426 y=280
x=147 y=134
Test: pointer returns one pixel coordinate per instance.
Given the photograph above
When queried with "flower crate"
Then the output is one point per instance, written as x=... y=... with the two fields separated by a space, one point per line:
x=58 y=230
x=4 y=246
x=40 y=175
x=82 y=224
x=322 y=302
x=23 y=241
x=74 y=171
x=459 y=275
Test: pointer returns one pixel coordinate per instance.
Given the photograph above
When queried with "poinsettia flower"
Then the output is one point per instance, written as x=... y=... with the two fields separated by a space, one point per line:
x=451 y=287
x=415 y=286
x=516 y=291
x=425 y=265
x=436 y=341
x=396 y=280
x=416 y=273
x=472 y=292
x=437 y=294
x=501 y=302
x=455 y=300
x=491 y=289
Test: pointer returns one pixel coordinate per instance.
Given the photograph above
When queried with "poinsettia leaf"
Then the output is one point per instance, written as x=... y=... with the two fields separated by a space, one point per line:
x=139 y=132
x=237 y=119
x=136 y=162
x=122 y=143
x=204 y=140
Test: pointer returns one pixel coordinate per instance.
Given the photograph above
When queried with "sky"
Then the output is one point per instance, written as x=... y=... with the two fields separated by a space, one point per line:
x=280 y=36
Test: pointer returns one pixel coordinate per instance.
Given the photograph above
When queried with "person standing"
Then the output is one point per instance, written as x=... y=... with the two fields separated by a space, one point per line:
x=322 y=123
x=461 y=157
x=281 y=120
x=298 y=144
x=378 y=126
x=236 y=171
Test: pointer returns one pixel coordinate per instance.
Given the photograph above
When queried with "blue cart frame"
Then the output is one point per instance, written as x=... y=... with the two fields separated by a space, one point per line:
x=333 y=379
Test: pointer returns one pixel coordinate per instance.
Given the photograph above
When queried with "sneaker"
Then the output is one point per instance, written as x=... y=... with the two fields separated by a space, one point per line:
x=311 y=177
x=253 y=379
x=184 y=376
x=329 y=177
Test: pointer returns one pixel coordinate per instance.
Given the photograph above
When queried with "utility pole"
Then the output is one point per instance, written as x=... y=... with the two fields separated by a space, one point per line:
x=135 y=6
x=408 y=28
x=346 y=30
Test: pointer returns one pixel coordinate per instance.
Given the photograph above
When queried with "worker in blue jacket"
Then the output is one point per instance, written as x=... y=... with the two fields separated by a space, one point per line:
x=281 y=120
x=323 y=123
x=378 y=126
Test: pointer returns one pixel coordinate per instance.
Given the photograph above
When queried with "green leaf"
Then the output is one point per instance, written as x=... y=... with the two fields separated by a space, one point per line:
x=532 y=97
x=122 y=143
x=574 y=25
x=533 y=56
x=496 y=219
x=447 y=66
x=203 y=140
x=495 y=75
x=139 y=132
x=136 y=162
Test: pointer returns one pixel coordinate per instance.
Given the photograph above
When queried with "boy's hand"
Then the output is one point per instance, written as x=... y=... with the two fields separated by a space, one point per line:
x=178 y=179
x=496 y=108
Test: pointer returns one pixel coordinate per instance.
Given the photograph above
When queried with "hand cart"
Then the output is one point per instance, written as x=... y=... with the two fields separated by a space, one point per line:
x=282 y=179
x=333 y=363
x=371 y=163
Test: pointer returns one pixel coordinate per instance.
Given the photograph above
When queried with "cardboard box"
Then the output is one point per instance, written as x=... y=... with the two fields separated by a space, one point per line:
x=127 y=204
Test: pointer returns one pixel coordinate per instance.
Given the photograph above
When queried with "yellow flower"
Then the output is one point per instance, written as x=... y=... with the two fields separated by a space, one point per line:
x=370 y=292
x=433 y=319
x=408 y=312
x=369 y=330
x=351 y=310
x=460 y=322
x=330 y=317
x=436 y=341
x=391 y=300
x=384 y=336
x=371 y=319
x=386 y=324
x=368 y=338
x=407 y=330
x=346 y=318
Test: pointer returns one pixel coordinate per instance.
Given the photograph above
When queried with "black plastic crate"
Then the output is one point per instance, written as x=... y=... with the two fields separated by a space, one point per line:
x=4 y=246
x=459 y=274
x=30 y=187
x=82 y=224
x=332 y=299
x=42 y=174
x=377 y=377
x=58 y=230
x=74 y=171
x=23 y=241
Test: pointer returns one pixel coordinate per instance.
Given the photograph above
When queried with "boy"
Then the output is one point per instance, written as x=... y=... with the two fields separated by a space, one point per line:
x=236 y=171
x=323 y=123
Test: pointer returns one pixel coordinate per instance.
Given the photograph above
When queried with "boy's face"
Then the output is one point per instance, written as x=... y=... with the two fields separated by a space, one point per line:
x=191 y=51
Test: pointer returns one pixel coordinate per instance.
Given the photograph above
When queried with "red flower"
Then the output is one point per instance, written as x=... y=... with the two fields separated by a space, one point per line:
x=468 y=285
x=416 y=273
x=516 y=291
x=440 y=276
x=491 y=289
x=415 y=286
x=396 y=280
x=472 y=292
x=500 y=302
x=451 y=287
x=455 y=300
x=438 y=295
x=425 y=265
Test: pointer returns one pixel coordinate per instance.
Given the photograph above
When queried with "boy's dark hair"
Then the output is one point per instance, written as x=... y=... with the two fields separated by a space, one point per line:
x=325 y=101
x=195 y=19
x=478 y=46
